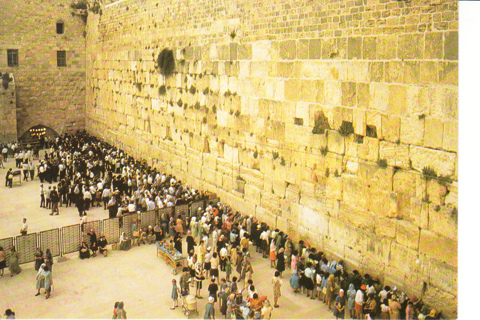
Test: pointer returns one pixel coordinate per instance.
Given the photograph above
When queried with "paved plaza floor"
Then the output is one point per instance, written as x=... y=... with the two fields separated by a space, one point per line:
x=89 y=288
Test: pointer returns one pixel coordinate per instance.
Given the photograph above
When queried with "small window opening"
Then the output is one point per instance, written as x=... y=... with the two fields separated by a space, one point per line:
x=60 y=27
x=61 y=58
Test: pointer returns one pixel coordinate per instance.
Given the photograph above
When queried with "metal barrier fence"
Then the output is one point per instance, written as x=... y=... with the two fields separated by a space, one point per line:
x=50 y=239
x=71 y=238
x=7 y=244
x=26 y=246
x=111 y=230
x=68 y=238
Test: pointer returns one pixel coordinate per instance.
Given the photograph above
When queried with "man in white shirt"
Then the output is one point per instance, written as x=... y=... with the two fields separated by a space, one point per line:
x=24 y=229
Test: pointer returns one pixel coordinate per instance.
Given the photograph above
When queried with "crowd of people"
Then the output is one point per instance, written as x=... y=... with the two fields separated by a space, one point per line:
x=219 y=241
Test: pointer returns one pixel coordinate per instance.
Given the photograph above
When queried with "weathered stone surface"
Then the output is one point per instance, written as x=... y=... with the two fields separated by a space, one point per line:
x=442 y=162
x=442 y=248
x=395 y=154
x=433 y=137
x=391 y=125
x=450 y=135
x=336 y=142
x=412 y=130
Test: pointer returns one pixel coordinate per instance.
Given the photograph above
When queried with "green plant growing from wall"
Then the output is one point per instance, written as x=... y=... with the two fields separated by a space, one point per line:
x=444 y=180
x=180 y=102
x=182 y=62
x=346 y=128
x=6 y=79
x=79 y=4
x=324 y=151
x=214 y=109
x=162 y=90
x=421 y=116
x=165 y=62
x=321 y=124
x=197 y=106
x=206 y=91
x=204 y=120
x=255 y=154
x=382 y=163
x=275 y=155
x=428 y=173
x=327 y=172
x=336 y=174
x=192 y=89
x=371 y=131
x=282 y=161
x=237 y=113
x=233 y=34
x=227 y=93
x=138 y=85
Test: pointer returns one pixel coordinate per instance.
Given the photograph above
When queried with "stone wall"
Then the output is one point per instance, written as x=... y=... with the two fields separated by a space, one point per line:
x=46 y=94
x=318 y=117
x=8 y=110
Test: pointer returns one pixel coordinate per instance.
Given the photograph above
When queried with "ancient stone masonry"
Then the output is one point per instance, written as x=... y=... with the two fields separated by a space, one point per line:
x=46 y=94
x=335 y=121
x=8 y=111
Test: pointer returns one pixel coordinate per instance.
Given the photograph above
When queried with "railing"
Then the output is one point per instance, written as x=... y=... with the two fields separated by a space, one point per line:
x=68 y=239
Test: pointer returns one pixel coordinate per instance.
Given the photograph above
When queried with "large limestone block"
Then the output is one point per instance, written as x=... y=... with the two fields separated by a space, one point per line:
x=358 y=218
x=411 y=46
x=336 y=142
x=382 y=203
x=402 y=259
x=354 y=48
x=315 y=49
x=448 y=73
x=333 y=92
x=292 y=90
x=363 y=95
x=369 y=48
x=259 y=69
x=451 y=45
x=312 y=90
x=387 y=47
x=433 y=137
x=444 y=102
x=354 y=191
x=264 y=50
x=341 y=114
x=433 y=45
x=442 y=162
x=391 y=127
x=450 y=135
x=349 y=94
x=412 y=130
x=379 y=96
x=439 y=247
x=395 y=154
x=359 y=121
x=369 y=149
x=442 y=222
x=244 y=51
x=351 y=148
x=335 y=188
x=385 y=227
x=252 y=194
x=396 y=101
x=288 y=50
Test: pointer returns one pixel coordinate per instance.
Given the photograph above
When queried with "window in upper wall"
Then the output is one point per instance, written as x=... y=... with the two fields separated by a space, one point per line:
x=60 y=27
x=61 y=58
x=12 y=57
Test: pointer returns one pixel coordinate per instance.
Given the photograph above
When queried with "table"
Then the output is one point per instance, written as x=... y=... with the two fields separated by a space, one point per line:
x=172 y=257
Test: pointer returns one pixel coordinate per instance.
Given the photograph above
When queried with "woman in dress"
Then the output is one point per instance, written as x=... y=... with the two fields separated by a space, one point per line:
x=178 y=242
x=38 y=258
x=84 y=251
x=40 y=278
x=273 y=255
x=49 y=260
x=247 y=269
x=13 y=266
x=199 y=277
x=47 y=276
x=277 y=284
x=330 y=291
x=294 y=260
x=281 y=261
x=351 y=300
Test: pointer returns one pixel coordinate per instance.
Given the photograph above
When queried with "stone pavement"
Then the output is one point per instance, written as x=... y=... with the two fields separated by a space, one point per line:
x=89 y=288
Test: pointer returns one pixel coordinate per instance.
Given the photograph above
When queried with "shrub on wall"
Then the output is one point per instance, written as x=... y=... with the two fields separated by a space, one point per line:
x=166 y=62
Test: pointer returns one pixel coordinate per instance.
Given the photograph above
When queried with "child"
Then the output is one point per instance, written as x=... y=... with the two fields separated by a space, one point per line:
x=175 y=292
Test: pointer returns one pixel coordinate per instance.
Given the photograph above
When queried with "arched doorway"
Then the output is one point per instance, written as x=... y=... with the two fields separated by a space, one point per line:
x=38 y=135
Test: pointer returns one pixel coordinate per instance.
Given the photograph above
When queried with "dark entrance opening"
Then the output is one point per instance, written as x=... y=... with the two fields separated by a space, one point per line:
x=38 y=136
